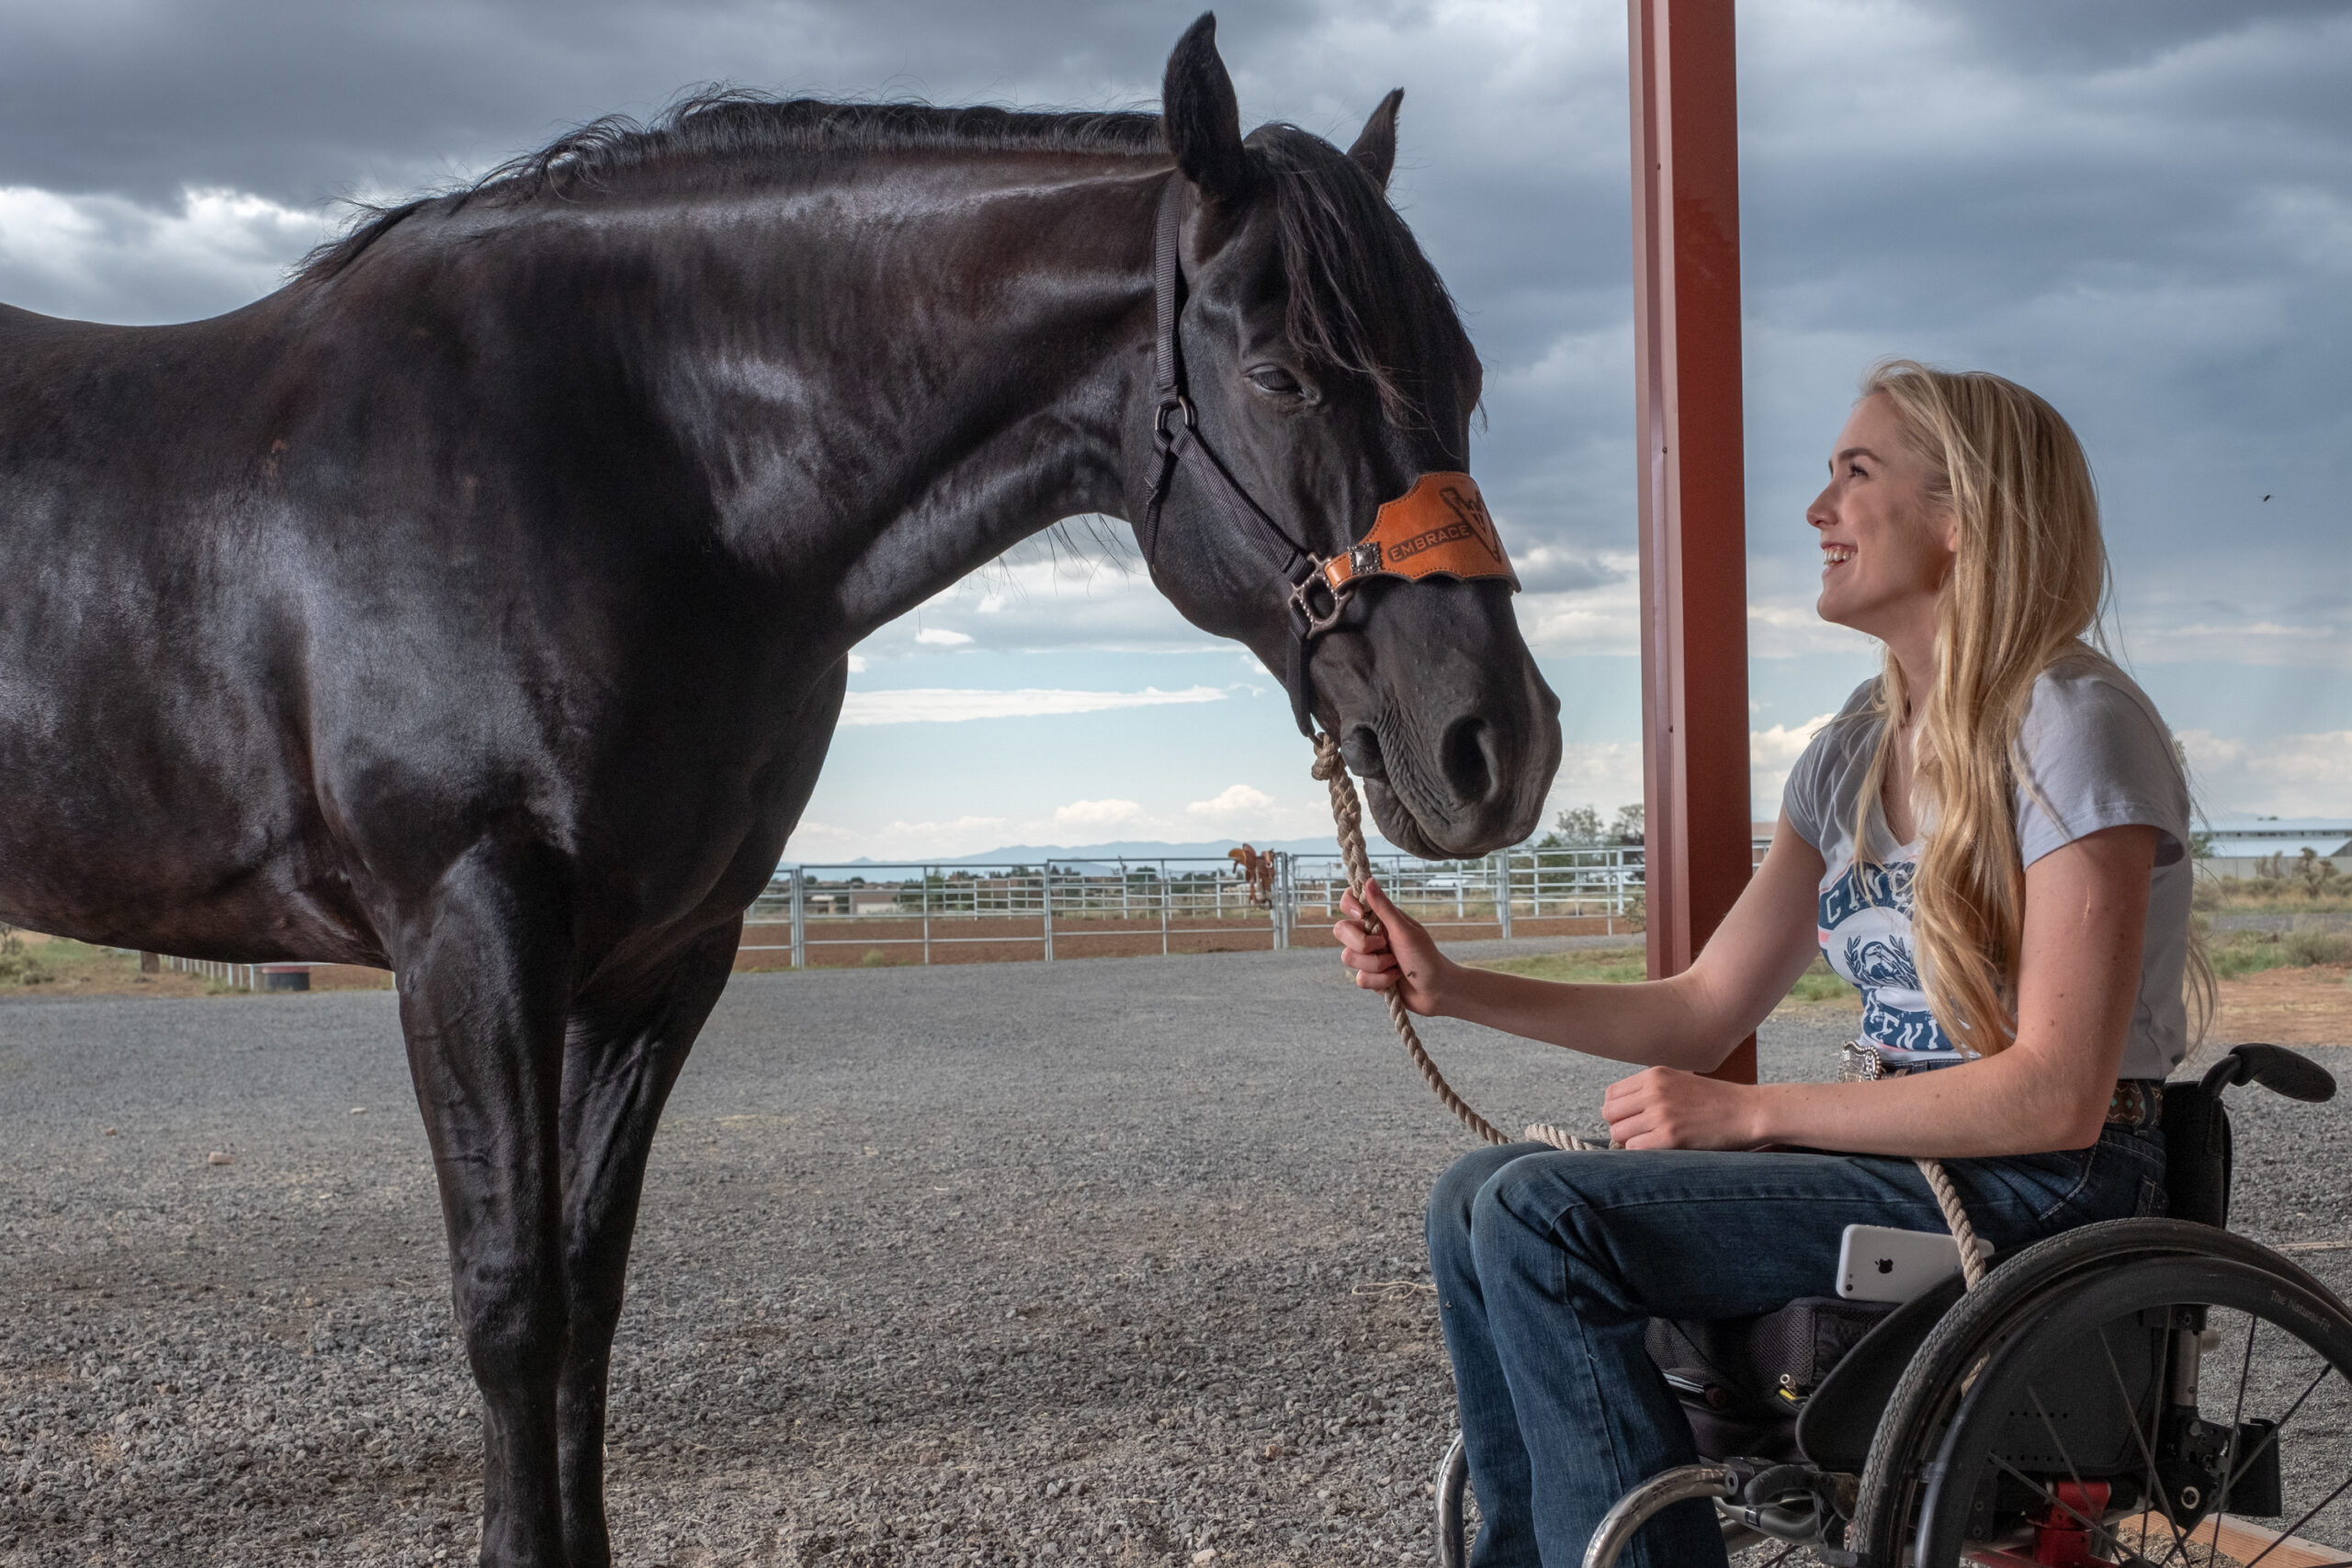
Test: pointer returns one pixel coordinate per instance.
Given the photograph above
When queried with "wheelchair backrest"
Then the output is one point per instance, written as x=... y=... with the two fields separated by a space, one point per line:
x=2197 y=1154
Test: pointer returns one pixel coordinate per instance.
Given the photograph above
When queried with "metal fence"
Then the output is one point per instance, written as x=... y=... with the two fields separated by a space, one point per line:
x=1059 y=906
x=1603 y=883
x=1069 y=908
x=236 y=976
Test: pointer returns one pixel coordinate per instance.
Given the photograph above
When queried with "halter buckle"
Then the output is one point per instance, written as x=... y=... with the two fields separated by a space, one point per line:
x=1303 y=605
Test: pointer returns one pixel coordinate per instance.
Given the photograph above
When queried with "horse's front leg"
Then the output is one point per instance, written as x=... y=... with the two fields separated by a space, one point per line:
x=485 y=984
x=621 y=1057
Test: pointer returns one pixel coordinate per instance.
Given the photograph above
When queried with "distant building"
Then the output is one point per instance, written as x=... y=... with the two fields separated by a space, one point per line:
x=2234 y=843
x=2255 y=838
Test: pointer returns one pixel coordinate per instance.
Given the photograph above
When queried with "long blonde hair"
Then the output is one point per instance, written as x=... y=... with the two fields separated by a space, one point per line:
x=2028 y=586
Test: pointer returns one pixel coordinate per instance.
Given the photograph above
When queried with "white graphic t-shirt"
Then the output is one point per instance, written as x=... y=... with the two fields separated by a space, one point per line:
x=2097 y=755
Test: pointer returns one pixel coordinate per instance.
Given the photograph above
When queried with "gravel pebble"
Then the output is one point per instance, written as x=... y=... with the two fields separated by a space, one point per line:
x=1107 y=1262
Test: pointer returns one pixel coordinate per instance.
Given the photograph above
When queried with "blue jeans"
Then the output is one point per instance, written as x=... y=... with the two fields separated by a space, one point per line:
x=1549 y=1265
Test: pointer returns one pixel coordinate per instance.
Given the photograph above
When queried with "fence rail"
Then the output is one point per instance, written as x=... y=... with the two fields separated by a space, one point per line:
x=1060 y=904
x=236 y=976
x=927 y=913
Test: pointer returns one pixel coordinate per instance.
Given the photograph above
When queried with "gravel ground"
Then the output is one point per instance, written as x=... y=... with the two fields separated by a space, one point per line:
x=1109 y=1262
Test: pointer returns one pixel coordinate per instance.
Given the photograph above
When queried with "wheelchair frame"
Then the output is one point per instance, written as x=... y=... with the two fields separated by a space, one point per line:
x=1921 y=1448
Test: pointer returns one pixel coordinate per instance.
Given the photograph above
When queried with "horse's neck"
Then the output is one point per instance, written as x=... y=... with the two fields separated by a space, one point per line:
x=933 y=373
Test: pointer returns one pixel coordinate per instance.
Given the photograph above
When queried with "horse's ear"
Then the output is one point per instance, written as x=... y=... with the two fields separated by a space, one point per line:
x=1199 y=116
x=1375 y=146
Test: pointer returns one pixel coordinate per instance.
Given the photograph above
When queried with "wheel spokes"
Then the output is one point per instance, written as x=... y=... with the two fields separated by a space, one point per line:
x=2147 y=1455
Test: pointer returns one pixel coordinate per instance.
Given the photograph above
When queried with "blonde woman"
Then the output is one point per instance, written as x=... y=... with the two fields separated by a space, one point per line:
x=1990 y=842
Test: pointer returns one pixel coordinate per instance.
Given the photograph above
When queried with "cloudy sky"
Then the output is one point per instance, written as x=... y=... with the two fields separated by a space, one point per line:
x=2140 y=208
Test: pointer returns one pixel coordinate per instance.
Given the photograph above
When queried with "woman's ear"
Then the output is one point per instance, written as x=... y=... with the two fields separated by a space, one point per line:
x=1200 y=117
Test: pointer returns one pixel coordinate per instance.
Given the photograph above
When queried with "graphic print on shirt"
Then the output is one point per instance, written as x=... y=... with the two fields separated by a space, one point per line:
x=1865 y=929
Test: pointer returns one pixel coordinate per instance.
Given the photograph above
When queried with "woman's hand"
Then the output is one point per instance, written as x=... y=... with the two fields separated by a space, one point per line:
x=1400 y=953
x=1666 y=1108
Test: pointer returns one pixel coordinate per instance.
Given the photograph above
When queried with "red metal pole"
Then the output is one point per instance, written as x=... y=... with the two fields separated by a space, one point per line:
x=1693 y=522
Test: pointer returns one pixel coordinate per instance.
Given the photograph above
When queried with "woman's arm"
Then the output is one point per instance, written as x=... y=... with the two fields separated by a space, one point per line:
x=2085 y=913
x=1690 y=1022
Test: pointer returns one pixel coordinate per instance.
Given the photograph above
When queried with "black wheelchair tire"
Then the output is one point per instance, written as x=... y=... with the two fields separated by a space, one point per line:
x=1915 y=1488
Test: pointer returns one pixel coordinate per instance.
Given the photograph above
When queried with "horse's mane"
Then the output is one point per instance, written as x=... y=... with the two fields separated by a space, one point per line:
x=1374 y=308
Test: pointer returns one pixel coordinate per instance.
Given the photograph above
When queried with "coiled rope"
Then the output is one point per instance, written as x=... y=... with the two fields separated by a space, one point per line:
x=1347 y=816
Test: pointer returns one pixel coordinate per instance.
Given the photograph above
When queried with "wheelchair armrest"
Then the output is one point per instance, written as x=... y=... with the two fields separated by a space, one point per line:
x=2279 y=1070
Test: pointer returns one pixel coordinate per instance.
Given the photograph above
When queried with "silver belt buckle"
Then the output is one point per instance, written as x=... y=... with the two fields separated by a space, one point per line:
x=1859 y=1062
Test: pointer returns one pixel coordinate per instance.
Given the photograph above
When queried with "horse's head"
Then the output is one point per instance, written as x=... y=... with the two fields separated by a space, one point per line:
x=1322 y=367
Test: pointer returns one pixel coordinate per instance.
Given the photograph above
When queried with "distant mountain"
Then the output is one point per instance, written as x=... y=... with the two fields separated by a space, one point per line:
x=1130 y=849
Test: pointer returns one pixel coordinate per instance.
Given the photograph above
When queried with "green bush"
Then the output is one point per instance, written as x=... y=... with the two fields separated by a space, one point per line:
x=2318 y=947
x=1820 y=983
x=1621 y=966
x=18 y=968
x=2250 y=953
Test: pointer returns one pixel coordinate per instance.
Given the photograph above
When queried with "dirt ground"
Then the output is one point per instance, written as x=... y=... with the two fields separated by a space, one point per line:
x=77 y=969
x=873 y=941
x=2287 y=1006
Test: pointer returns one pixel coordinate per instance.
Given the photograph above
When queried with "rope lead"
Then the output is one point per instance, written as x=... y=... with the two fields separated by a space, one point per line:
x=1347 y=816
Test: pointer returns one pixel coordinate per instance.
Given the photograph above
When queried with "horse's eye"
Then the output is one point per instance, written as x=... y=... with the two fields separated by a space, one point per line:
x=1275 y=379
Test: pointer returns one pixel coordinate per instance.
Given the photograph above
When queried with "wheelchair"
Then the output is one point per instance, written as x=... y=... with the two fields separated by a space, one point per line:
x=2138 y=1392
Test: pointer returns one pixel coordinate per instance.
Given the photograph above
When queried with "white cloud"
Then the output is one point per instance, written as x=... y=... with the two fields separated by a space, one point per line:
x=2294 y=775
x=109 y=258
x=944 y=705
x=1075 y=588
x=2316 y=645
x=1099 y=816
x=1778 y=628
x=1604 y=774
x=857 y=664
x=1770 y=754
x=1235 y=800
x=821 y=842
x=1604 y=619
x=1607 y=774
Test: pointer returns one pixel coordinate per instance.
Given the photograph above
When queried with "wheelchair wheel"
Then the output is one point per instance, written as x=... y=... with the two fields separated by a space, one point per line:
x=2147 y=1387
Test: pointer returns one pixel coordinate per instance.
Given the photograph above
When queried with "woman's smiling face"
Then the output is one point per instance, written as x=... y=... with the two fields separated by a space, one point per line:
x=1887 y=543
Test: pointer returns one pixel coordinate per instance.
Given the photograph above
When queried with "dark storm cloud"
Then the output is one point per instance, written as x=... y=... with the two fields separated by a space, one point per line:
x=2143 y=210
x=2143 y=207
x=301 y=102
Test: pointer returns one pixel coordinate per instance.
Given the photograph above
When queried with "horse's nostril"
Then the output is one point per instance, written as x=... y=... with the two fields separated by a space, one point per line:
x=1469 y=760
x=1361 y=747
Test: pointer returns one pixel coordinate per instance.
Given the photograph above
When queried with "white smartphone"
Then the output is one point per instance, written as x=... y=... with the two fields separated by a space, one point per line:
x=1879 y=1264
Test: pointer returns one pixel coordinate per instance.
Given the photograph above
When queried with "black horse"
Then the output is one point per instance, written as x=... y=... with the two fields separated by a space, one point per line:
x=478 y=605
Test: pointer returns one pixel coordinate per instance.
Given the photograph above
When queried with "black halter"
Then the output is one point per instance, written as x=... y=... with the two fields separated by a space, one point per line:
x=1176 y=439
